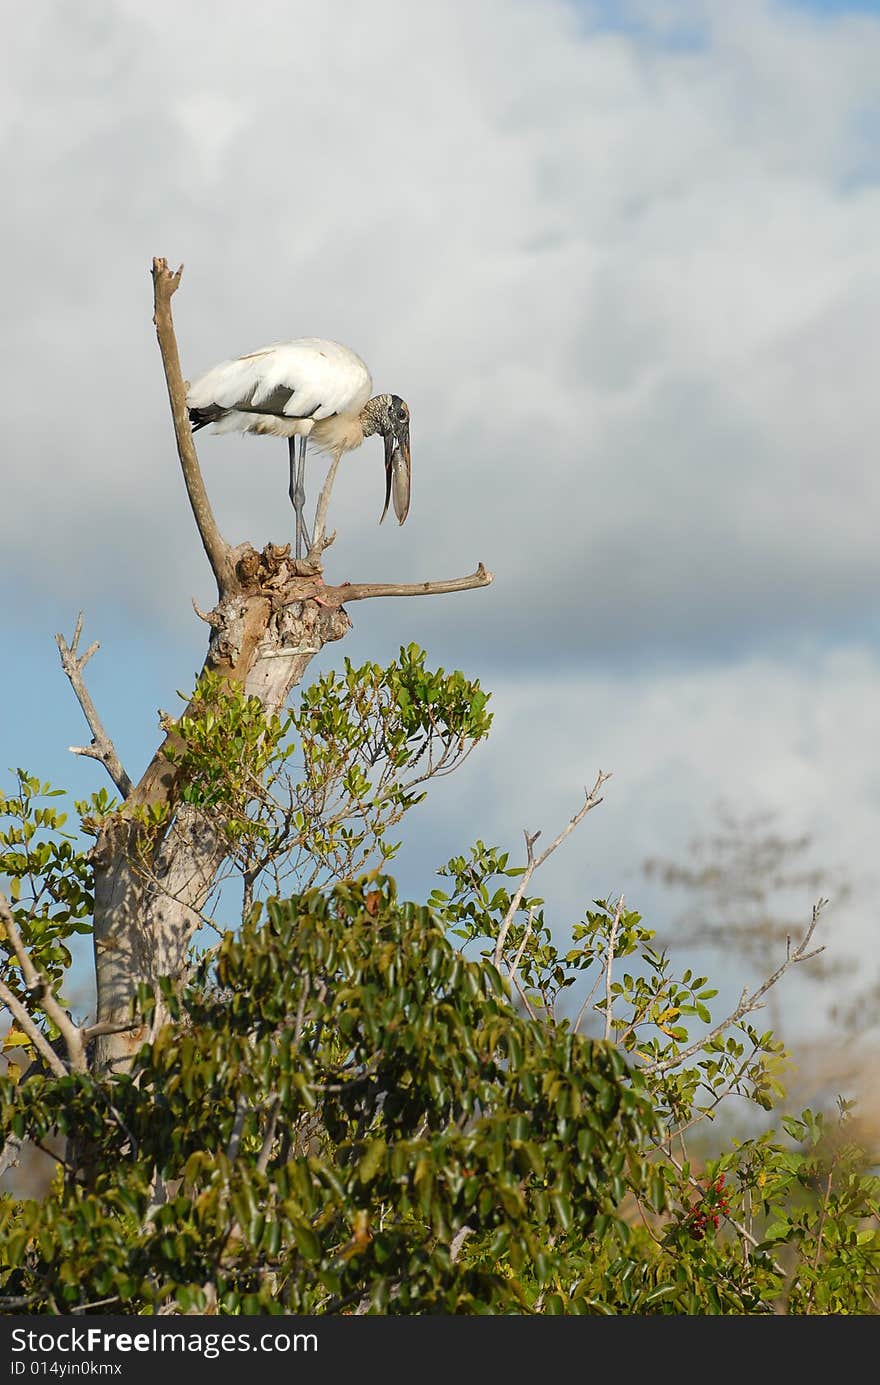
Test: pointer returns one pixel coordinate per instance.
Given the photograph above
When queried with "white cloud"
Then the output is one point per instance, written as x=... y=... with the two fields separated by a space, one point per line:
x=626 y=285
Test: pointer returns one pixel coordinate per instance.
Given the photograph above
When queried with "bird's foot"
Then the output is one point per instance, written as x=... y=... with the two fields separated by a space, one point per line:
x=322 y=600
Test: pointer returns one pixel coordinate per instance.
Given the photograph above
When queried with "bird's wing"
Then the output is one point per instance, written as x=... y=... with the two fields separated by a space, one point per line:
x=307 y=378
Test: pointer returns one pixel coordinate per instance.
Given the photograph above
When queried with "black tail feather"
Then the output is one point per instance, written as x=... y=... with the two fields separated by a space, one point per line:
x=200 y=418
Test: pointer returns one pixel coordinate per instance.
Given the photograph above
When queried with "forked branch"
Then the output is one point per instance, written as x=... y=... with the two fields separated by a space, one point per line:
x=748 y=1002
x=164 y=286
x=533 y=862
x=101 y=748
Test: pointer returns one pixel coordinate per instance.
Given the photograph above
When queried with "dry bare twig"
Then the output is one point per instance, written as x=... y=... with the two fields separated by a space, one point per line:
x=609 y=964
x=165 y=284
x=101 y=748
x=363 y=591
x=747 y=1003
x=527 y=931
x=319 y=541
x=534 y=862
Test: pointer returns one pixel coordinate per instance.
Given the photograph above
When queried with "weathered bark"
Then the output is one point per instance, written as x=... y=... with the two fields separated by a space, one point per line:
x=150 y=886
x=156 y=859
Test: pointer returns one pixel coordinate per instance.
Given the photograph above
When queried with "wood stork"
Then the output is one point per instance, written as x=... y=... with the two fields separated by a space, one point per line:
x=312 y=390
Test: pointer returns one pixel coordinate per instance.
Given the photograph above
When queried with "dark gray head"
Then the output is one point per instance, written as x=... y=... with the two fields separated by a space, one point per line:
x=389 y=415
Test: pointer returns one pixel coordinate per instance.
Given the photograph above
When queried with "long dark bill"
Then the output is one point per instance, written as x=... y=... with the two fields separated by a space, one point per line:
x=401 y=477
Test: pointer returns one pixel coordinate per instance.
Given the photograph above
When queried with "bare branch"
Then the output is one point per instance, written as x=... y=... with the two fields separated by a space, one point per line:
x=522 y=947
x=362 y=591
x=42 y=991
x=209 y=617
x=10 y=1153
x=747 y=1002
x=527 y=1004
x=609 y=963
x=535 y=862
x=25 y=1023
x=605 y=967
x=98 y=1303
x=165 y=284
x=101 y=748
x=318 y=540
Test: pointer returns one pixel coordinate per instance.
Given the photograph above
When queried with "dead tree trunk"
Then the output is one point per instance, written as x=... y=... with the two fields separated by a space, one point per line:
x=156 y=859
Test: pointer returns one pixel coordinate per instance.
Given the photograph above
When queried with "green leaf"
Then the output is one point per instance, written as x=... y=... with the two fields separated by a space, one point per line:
x=371 y=1160
x=307 y=1242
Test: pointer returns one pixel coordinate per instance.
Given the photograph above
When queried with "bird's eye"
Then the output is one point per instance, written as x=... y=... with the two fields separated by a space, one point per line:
x=403 y=415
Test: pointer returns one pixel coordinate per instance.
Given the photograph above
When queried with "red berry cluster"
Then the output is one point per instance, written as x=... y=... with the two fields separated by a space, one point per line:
x=713 y=1207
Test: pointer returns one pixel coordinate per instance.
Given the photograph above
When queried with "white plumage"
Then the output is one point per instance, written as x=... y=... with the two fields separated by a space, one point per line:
x=311 y=389
x=319 y=378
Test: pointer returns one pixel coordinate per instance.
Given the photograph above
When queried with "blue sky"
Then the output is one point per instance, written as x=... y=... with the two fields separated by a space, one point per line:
x=629 y=288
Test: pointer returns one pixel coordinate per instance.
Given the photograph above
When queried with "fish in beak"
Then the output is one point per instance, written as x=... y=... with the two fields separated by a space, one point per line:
x=397 y=472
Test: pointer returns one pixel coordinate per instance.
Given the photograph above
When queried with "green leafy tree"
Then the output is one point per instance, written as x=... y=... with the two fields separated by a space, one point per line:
x=339 y=1110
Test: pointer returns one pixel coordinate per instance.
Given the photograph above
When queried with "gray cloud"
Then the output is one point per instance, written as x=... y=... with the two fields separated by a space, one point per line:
x=626 y=287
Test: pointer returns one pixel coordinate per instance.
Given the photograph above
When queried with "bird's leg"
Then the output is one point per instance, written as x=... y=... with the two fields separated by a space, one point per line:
x=298 y=494
x=301 y=491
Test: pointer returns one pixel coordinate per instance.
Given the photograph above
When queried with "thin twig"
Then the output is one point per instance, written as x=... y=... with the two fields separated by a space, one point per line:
x=318 y=542
x=522 y=947
x=534 y=862
x=592 y=991
x=530 y=1009
x=747 y=1002
x=41 y=989
x=38 y=1038
x=729 y=1089
x=820 y=1231
x=101 y=748
x=650 y=1230
x=738 y=1226
x=612 y=939
x=98 y=1303
x=165 y=283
